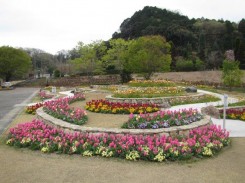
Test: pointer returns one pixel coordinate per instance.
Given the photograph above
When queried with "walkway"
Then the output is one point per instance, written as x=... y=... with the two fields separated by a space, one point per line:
x=235 y=127
x=12 y=102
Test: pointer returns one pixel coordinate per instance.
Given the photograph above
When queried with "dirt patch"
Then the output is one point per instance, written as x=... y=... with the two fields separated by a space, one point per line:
x=99 y=119
x=209 y=76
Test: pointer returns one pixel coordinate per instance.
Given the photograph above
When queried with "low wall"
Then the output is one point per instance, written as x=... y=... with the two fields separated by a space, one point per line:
x=176 y=130
x=85 y=80
x=160 y=101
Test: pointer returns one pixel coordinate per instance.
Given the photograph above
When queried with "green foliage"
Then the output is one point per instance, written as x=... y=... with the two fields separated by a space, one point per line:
x=13 y=62
x=240 y=52
x=189 y=65
x=148 y=54
x=114 y=58
x=56 y=73
x=184 y=65
x=231 y=74
x=90 y=60
x=209 y=38
x=199 y=65
x=241 y=27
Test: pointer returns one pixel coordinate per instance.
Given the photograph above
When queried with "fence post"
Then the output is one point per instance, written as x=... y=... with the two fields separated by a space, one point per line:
x=224 y=110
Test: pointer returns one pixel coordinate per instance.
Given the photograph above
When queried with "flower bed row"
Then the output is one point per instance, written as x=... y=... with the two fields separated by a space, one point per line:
x=148 y=92
x=234 y=113
x=193 y=99
x=104 y=106
x=201 y=142
x=163 y=119
x=60 y=109
x=151 y=83
x=32 y=109
x=43 y=95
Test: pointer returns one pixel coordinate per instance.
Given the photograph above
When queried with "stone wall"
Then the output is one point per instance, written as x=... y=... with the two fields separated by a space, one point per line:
x=85 y=80
x=176 y=130
x=163 y=102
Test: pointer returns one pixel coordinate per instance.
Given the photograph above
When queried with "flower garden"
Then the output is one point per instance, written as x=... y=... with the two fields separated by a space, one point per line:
x=104 y=106
x=198 y=142
x=234 y=113
x=60 y=109
x=43 y=95
x=151 y=83
x=148 y=92
x=32 y=108
x=163 y=119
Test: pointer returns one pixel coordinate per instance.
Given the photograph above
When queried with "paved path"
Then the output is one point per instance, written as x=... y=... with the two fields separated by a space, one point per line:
x=235 y=127
x=12 y=102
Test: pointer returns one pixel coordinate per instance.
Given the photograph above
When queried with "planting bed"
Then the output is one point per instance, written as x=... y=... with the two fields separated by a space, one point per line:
x=66 y=135
x=176 y=130
x=164 y=102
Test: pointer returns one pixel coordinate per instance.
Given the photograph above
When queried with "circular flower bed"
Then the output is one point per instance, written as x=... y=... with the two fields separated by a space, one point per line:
x=104 y=106
x=151 y=83
x=60 y=109
x=200 y=142
x=163 y=119
x=148 y=92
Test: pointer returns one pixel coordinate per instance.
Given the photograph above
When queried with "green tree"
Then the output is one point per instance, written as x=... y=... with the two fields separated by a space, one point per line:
x=115 y=57
x=13 y=62
x=184 y=65
x=241 y=27
x=89 y=62
x=147 y=55
x=42 y=62
x=231 y=74
x=240 y=45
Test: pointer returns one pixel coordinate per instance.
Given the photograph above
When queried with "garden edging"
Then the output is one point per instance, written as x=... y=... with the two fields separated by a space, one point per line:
x=161 y=101
x=176 y=130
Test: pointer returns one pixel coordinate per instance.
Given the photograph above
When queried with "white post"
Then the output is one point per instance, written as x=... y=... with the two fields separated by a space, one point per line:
x=224 y=110
x=53 y=89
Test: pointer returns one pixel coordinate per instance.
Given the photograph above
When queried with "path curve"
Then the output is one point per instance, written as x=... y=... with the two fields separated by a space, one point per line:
x=235 y=127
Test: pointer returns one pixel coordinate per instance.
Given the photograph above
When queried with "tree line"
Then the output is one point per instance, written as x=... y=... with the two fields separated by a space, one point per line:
x=152 y=40
x=191 y=40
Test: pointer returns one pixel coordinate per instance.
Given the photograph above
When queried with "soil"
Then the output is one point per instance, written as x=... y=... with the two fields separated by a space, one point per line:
x=24 y=165
x=208 y=76
x=99 y=119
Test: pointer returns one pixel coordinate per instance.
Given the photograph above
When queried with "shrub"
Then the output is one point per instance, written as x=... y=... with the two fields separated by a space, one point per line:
x=184 y=65
x=232 y=75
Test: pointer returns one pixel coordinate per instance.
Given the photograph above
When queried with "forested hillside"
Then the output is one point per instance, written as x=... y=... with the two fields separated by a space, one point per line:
x=191 y=39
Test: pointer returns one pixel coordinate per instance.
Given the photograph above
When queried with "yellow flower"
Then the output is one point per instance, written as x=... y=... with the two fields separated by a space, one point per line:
x=87 y=153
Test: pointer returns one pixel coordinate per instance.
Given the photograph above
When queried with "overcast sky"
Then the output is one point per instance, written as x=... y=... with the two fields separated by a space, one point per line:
x=53 y=25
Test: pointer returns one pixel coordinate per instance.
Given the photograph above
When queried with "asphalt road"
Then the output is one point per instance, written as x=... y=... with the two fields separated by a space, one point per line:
x=12 y=102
